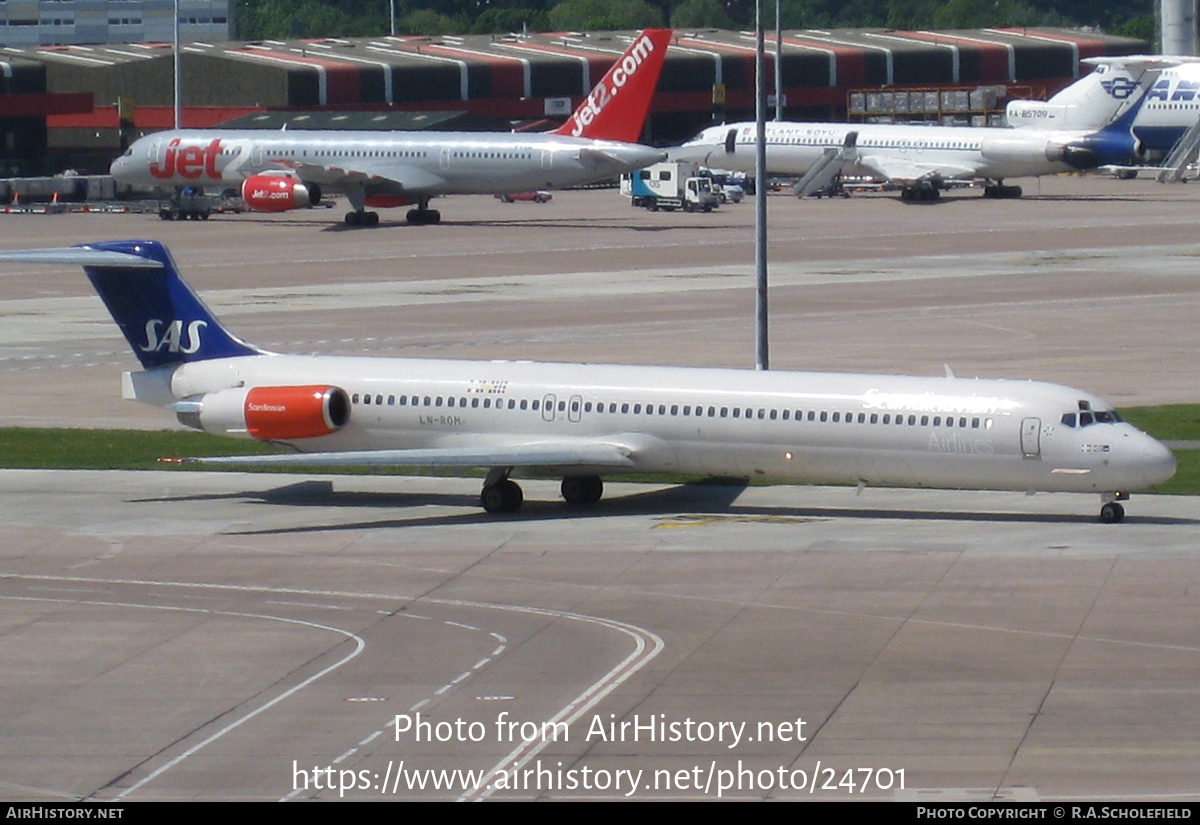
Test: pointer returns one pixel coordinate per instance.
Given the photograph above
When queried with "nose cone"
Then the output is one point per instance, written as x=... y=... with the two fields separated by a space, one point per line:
x=691 y=152
x=1157 y=462
x=120 y=169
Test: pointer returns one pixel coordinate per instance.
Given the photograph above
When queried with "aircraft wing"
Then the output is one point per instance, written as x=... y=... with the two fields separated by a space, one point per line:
x=370 y=172
x=899 y=170
x=569 y=453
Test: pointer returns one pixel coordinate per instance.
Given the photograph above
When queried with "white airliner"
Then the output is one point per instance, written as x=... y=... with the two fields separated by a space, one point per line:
x=923 y=159
x=582 y=421
x=283 y=170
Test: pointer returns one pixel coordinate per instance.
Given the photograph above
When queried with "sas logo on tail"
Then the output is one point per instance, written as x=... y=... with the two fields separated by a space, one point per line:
x=172 y=338
x=1119 y=88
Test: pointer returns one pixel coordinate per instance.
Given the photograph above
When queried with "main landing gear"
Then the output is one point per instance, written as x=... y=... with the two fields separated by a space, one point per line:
x=362 y=218
x=1001 y=192
x=1110 y=511
x=423 y=216
x=924 y=194
x=503 y=495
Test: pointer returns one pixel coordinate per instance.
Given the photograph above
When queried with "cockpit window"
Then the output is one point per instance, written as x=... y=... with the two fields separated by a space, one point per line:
x=1086 y=419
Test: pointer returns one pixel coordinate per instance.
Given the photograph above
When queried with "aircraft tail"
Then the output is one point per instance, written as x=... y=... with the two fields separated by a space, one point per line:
x=632 y=79
x=1109 y=96
x=162 y=319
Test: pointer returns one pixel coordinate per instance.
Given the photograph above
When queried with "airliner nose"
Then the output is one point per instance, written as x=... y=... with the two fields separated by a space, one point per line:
x=119 y=167
x=1157 y=462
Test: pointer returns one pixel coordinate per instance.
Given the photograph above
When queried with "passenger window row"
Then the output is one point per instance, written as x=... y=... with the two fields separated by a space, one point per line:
x=691 y=411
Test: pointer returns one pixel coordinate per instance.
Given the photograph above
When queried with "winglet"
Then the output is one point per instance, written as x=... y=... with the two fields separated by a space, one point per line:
x=616 y=108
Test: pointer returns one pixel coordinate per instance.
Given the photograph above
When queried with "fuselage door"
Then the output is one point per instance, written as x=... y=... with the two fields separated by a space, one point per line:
x=547 y=159
x=256 y=157
x=548 y=408
x=575 y=408
x=1031 y=437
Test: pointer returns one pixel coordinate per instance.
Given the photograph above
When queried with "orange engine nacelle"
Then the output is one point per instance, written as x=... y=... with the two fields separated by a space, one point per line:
x=276 y=193
x=273 y=413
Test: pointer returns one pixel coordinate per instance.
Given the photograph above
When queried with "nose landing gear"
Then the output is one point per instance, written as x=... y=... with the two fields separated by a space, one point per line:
x=1110 y=511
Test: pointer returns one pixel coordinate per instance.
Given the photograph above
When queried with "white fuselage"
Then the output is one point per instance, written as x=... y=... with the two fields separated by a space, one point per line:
x=958 y=153
x=382 y=163
x=803 y=427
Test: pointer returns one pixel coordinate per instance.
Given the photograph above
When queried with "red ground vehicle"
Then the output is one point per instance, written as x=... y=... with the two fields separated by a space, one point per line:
x=540 y=196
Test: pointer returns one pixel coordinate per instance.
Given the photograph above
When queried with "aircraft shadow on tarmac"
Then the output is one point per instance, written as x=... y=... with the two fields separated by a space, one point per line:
x=549 y=224
x=683 y=504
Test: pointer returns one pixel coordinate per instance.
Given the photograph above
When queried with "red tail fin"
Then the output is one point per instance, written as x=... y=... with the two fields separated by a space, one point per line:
x=634 y=76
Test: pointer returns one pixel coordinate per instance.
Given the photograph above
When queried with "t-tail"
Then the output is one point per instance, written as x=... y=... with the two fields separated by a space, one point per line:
x=616 y=108
x=164 y=322
x=1106 y=99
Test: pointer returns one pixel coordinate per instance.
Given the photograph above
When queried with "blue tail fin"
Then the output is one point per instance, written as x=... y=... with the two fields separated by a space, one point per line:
x=162 y=319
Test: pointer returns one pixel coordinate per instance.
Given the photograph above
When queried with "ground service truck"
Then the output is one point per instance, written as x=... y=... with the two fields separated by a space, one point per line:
x=670 y=186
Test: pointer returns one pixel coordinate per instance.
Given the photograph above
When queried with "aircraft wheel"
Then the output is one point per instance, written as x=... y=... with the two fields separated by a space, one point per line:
x=1112 y=513
x=371 y=219
x=907 y=194
x=353 y=218
x=502 y=497
x=989 y=191
x=582 y=489
x=433 y=215
x=1012 y=191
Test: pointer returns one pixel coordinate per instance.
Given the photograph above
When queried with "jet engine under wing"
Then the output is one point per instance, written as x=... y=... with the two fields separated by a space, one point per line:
x=570 y=453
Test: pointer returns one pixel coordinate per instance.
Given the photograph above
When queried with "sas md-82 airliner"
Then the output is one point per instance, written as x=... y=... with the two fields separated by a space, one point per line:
x=282 y=170
x=583 y=421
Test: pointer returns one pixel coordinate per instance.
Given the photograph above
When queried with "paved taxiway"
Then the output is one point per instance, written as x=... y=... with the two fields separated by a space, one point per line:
x=174 y=635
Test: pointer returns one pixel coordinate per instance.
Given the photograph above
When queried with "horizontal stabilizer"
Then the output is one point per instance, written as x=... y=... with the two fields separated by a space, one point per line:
x=80 y=256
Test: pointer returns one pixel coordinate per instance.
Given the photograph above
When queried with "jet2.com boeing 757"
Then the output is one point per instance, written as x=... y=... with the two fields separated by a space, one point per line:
x=584 y=421
x=282 y=170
